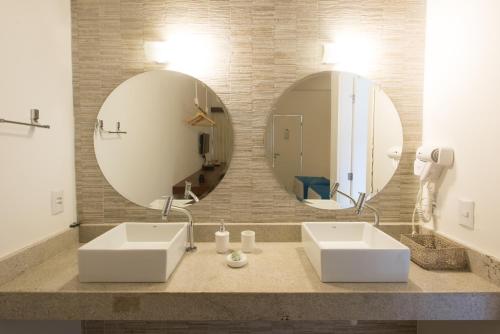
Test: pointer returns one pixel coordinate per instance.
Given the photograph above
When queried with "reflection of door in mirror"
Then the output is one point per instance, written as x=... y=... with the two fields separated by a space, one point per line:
x=353 y=169
x=311 y=99
x=367 y=126
x=287 y=148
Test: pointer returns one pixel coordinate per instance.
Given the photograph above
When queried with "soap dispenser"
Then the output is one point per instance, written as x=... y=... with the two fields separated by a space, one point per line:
x=222 y=239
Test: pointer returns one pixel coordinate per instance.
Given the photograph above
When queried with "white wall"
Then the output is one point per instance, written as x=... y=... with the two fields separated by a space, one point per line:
x=35 y=67
x=462 y=110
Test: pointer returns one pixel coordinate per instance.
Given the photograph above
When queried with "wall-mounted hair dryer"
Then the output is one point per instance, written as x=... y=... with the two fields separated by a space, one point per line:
x=430 y=162
x=429 y=165
x=394 y=153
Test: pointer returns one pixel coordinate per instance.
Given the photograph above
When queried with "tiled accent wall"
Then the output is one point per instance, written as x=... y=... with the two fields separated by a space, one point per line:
x=262 y=47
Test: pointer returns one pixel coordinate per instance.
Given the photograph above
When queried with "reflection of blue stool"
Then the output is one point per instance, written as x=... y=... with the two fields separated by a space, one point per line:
x=310 y=181
x=323 y=190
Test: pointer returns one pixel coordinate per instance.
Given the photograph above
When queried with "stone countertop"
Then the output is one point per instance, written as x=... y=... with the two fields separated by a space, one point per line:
x=278 y=283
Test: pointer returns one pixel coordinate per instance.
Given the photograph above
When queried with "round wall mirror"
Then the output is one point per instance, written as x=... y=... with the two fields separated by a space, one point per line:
x=160 y=134
x=331 y=136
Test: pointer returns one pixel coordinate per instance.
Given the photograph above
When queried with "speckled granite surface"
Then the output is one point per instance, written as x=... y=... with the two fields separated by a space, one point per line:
x=485 y=266
x=16 y=263
x=279 y=282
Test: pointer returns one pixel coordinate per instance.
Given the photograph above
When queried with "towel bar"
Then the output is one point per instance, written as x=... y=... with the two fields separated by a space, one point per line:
x=35 y=115
x=100 y=127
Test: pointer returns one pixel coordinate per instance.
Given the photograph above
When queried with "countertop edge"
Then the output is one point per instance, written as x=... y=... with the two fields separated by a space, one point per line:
x=207 y=306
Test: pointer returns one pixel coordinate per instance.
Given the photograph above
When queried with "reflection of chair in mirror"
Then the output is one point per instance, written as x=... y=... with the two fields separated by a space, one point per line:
x=320 y=191
x=311 y=187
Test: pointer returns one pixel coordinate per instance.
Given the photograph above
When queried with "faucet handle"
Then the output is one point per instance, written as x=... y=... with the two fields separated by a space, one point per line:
x=166 y=208
x=193 y=196
x=188 y=193
x=360 y=203
x=187 y=189
x=334 y=189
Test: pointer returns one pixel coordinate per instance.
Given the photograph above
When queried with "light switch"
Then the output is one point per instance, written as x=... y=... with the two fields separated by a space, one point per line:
x=466 y=213
x=57 y=202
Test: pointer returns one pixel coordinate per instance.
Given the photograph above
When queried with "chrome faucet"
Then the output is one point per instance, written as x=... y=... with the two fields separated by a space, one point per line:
x=188 y=193
x=164 y=216
x=359 y=204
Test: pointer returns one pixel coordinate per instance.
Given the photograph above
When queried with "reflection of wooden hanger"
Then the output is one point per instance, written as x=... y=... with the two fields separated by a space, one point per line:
x=201 y=115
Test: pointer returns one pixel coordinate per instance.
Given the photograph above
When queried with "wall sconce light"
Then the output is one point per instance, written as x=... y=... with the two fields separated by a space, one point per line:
x=330 y=53
x=350 y=52
x=183 y=51
x=157 y=52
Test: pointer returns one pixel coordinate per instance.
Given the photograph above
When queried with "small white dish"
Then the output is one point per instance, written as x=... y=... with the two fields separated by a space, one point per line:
x=236 y=264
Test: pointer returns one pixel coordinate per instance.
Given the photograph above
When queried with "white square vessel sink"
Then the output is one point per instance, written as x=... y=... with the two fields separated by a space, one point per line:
x=354 y=252
x=133 y=252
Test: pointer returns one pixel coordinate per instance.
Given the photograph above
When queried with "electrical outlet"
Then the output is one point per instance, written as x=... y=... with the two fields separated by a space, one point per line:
x=57 y=202
x=466 y=213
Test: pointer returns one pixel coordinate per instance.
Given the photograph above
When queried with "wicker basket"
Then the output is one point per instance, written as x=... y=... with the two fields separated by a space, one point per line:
x=434 y=253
